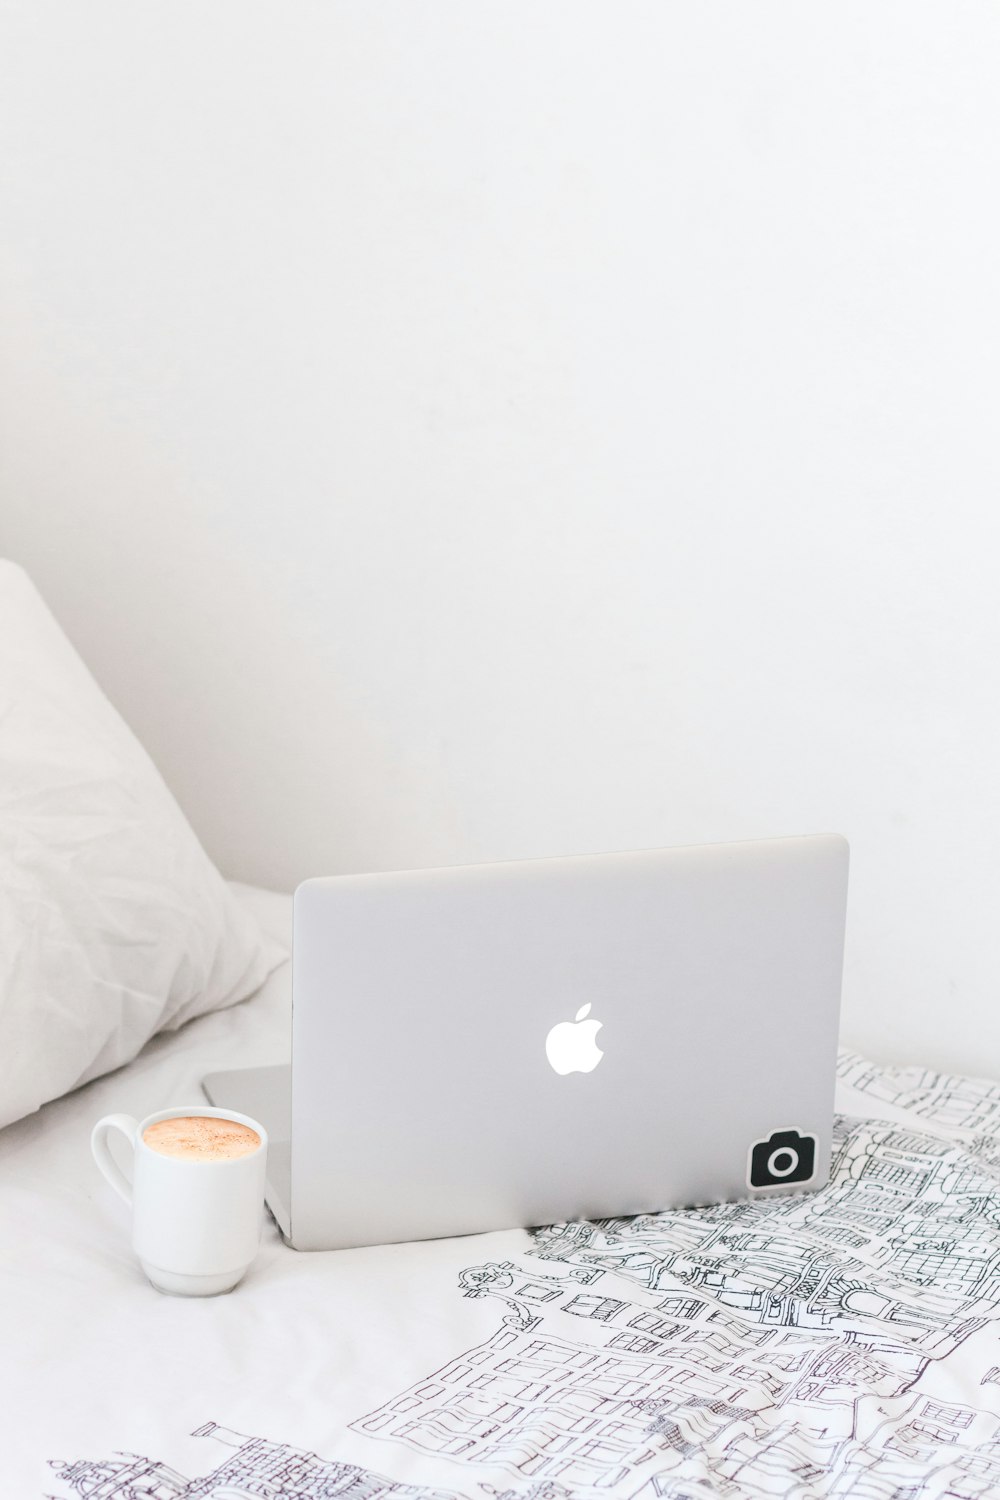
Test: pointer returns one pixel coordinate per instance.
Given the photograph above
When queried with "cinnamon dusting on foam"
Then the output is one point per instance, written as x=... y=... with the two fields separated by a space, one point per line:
x=201 y=1138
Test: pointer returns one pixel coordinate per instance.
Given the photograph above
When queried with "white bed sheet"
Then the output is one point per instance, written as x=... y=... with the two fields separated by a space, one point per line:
x=844 y=1343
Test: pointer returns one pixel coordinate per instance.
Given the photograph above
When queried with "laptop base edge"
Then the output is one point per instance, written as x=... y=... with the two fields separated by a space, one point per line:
x=265 y=1094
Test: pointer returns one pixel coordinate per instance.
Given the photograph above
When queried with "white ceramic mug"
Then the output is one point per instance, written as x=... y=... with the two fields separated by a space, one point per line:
x=195 y=1224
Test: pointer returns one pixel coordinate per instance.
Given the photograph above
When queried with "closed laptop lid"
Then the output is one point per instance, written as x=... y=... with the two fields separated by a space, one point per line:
x=487 y=1046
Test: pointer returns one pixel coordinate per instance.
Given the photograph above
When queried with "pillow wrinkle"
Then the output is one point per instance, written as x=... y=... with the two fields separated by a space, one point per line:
x=114 y=923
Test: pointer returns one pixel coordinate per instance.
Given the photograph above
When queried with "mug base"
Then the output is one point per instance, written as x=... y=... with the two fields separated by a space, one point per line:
x=177 y=1284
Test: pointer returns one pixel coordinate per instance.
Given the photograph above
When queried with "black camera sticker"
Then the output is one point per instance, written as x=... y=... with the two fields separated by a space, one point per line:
x=786 y=1158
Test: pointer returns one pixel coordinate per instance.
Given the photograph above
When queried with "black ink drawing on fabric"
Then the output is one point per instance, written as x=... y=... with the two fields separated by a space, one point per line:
x=252 y=1468
x=754 y=1350
x=845 y=1343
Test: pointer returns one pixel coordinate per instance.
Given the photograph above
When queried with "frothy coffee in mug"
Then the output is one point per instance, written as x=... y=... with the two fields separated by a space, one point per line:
x=201 y=1138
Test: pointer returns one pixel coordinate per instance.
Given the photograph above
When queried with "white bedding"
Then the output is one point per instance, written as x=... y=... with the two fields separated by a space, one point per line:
x=842 y=1344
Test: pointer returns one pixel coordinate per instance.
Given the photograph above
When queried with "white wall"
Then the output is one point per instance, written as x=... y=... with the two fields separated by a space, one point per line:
x=458 y=431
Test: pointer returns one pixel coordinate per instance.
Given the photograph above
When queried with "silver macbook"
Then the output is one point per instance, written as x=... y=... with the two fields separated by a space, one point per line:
x=514 y=1044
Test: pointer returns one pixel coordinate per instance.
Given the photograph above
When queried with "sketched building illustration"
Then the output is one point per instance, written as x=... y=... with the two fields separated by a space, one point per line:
x=252 y=1469
x=751 y=1351
x=768 y=1346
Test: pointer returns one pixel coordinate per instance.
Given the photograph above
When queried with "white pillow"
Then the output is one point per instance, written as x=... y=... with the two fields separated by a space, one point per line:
x=114 y=923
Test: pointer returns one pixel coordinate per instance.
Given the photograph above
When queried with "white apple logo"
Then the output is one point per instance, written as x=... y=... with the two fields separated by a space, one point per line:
x=570 y=1046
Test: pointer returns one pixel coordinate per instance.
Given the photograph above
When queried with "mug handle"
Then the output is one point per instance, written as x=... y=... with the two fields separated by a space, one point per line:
x=103 y=1157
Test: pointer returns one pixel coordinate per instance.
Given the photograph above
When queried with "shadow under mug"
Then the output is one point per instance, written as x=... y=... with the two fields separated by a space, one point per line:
x=195 y=1224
